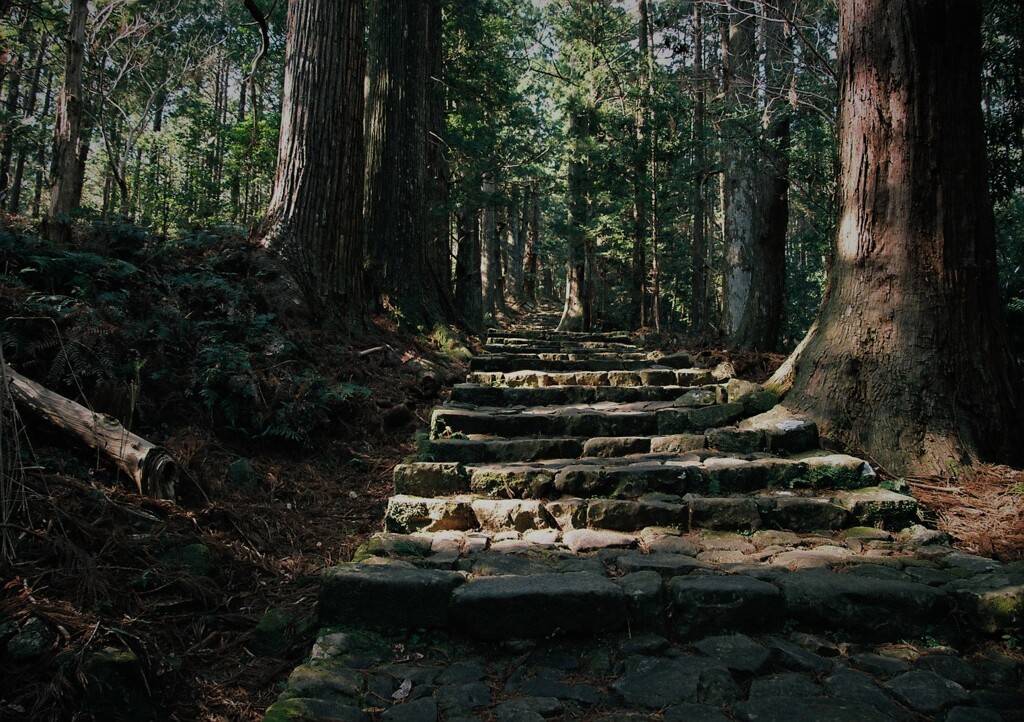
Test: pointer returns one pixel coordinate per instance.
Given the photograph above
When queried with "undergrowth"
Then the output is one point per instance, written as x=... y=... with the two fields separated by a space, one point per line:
x=287 y=434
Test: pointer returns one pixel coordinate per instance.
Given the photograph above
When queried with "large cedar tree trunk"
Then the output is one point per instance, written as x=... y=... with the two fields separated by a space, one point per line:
x=396 y=140
x=315 y=216
x=68 y=148
x=761 y=321
x=909 y=360
x=699 y=249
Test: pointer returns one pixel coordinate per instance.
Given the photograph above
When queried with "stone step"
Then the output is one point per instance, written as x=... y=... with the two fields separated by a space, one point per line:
x=480 y=450
x=645 y=376
x=527 y=346
x=529 y=362
x=694 y=412
x=764 y=509
x=863 y=582
x=541 y=334
x=671 y=469
x=477 y=395
x=531 y=354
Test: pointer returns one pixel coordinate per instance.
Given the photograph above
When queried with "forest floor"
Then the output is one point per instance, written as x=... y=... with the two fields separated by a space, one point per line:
x=184 y=586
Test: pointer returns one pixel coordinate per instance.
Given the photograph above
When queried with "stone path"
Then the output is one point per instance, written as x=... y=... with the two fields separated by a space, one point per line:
x=594 y=532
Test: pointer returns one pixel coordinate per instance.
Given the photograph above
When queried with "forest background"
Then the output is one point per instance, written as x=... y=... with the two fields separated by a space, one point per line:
x=611 y=152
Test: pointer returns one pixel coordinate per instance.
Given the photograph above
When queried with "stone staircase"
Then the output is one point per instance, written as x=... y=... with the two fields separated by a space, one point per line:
x=578 y=486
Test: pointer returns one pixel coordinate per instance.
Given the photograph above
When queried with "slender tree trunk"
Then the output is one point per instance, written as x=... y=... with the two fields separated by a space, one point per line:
x=11 y=106
x=641 y=192
x=438 y=221
x=27 y=113
x=315 y=219
x=37 y=194
x=468 y=296
x=575 y=312
x=909 y=361
x=397 y=117
x=520 y=235
x=490 y=253
x=68 y=147
x=699 y=247
x=531 y=260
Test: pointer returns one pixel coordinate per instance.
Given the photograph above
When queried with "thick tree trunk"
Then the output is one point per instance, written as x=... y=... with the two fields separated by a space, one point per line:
x=576 y=312
x=396 y=127
x=761 y=320
x=315 y=219
x=909 y=361
x=154 y=472
x=68 y=147
x=740 y=172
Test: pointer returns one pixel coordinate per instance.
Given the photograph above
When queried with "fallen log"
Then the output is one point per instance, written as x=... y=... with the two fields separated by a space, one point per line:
x=154 y=471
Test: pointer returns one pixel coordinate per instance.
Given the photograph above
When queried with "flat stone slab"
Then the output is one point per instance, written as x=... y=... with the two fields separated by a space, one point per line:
x=927 y=693
x=856 y=603
x=538 y=606
x=711 y=603
x=802 y=709
x=386 y=596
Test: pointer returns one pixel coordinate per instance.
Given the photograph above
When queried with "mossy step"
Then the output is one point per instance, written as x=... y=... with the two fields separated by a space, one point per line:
x=531 y=354
x=538 y=334
x=478 y=395
x=766 y=509
x=471 y=451
x=494 y=346
x=644 y=376
x=529 y=362
x=664 y=471
x=643 y=419
x=498 y=587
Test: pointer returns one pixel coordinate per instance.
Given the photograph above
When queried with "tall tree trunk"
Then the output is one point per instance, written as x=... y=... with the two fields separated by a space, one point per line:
x=315 y=219
x=641 y=189
x=37 y=193
x=699 y=247
x=531 y=254
x=467 y=270
x=68 y=146
x=520 y=214
x=761 y=321
x=27 y=113
x=438 y=220
x=576 y=312
x=397 y=115
x=740 y=172
x=909 y=360
x=11 y=107
x=490 y=252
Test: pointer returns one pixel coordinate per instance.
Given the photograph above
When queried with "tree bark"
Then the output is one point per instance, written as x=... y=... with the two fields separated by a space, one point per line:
x=68 y=146
x=698 y=249
x=909 y=361
x=490 y=252
x=315 y=219
x=467 y=270
x=761 y=319
x=576 y=312
x=531 y=254
x=396 y=139
x=153 y=470
x=641 y=190
x=27 y=112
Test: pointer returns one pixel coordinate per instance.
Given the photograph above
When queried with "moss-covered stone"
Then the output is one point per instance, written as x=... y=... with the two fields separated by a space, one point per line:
x=115 y=687
x=395 y=546
x=874 y=507
x=278 y=631
x=513 y=483
x=300 y=710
